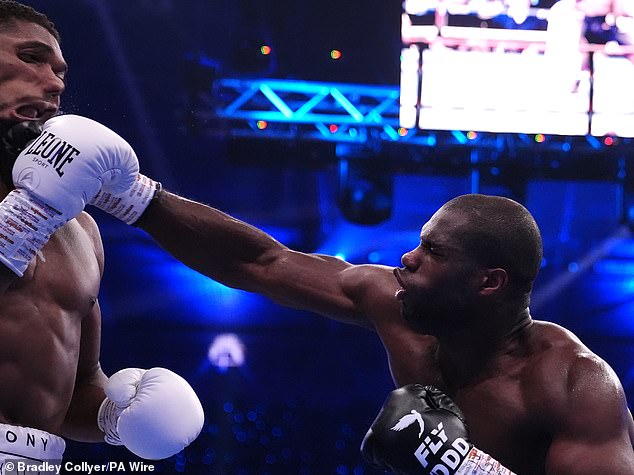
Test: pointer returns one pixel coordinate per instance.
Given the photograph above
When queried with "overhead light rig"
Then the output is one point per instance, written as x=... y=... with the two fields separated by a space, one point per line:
x=358 y=113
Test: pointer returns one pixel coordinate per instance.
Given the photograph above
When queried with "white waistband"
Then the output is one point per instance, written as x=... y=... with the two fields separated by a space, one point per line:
x=24 y=443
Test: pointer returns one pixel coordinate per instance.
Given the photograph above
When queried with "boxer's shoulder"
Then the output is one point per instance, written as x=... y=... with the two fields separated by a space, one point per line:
x=562 y=368
x=79 y=239
x=551 y=349
x=372 y=289
x=89 y=227
x=370 y=274
x=370 y=282
x=67 y=271
x=550 y=340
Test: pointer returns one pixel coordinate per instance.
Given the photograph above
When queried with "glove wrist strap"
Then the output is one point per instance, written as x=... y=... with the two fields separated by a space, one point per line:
x=480 y=463
x=130 y=205
x=26 y=224
x=107 y=419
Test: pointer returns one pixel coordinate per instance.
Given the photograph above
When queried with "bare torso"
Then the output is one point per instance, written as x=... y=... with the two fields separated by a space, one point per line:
x=511 y=407
x=513 y=403
x=508 y=409
x=40 y=328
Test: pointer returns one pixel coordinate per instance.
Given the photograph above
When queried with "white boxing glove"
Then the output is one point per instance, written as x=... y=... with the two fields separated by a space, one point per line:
x=154 y=413
x=54 y=177
x=72 y=160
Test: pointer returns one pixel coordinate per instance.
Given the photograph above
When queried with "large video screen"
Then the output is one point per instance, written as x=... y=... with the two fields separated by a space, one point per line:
x=520 y=66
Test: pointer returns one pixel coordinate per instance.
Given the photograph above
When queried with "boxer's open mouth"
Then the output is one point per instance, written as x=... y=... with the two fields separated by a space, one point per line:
x=34 y=111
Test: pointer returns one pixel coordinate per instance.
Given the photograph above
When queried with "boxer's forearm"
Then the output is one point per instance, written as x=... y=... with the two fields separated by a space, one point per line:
x=80 y=423
x=210 y=241
x=239 y=255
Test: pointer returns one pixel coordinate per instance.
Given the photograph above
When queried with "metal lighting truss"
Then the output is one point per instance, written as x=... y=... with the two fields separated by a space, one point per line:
x=290 y=109
x=366 y=117
x=360 y=113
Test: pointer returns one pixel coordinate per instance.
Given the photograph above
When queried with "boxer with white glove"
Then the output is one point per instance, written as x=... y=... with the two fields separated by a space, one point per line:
x=128 y=205
x=420 y=430
x=54 y=177
x=153 y=413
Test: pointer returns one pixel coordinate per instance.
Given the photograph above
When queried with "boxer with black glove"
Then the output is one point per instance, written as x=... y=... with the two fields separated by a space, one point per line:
x=420 y=430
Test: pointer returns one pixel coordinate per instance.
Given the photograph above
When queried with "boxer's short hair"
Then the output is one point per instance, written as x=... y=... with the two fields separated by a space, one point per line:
x=11 y=11
x=501 y=233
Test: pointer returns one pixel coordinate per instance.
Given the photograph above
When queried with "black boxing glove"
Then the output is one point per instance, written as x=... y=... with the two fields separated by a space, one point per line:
x=18 y=137
x=420 y=430
x=12 y=141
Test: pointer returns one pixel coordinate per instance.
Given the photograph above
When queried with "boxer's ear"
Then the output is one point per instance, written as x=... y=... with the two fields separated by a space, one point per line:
x=493 y=281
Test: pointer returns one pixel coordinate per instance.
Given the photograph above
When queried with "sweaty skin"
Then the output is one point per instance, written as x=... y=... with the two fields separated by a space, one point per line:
x=50 y=318
x=46 y=318
x=533 y=395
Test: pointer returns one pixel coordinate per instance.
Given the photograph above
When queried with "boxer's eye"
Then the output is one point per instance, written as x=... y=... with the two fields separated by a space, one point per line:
x=428 y=247
x=31 y=58
x=61 y=75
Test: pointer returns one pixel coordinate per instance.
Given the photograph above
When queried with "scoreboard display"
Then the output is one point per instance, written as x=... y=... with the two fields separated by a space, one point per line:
x=518 y=66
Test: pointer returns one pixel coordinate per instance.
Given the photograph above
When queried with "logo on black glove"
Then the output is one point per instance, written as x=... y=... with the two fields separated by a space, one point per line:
x=448 y=456
x=407 y=420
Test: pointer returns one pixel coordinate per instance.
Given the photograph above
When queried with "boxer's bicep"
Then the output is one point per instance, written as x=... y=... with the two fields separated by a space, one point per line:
x=592 y=434
x=325 y=285
x=576 y=455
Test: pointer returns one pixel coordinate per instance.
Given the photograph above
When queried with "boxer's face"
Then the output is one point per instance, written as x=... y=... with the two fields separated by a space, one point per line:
x=440 y=280
x=32 y=71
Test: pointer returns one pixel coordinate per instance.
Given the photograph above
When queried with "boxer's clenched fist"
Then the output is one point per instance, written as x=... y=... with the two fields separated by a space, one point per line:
x=54 y=177
x=421 y=431
x=72 y=159
x=154 y=413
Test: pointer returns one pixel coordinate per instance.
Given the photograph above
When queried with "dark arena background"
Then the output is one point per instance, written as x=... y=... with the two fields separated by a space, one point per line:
x=337 y=127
